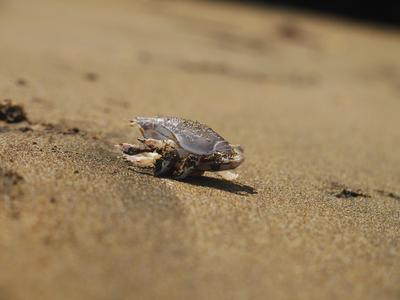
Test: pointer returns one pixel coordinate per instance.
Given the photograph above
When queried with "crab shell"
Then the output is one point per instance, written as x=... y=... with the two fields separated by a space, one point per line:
x=193 y=138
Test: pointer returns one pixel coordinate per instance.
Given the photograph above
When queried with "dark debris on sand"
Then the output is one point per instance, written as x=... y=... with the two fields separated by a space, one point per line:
x=91 y=76
x=73 y=130
x=12 y=177
x=11 y=113
x=342 y=191
x=21 y=82
x=347 y=193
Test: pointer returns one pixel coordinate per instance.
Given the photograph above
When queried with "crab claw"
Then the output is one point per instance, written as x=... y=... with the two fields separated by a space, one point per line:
x=129 y=149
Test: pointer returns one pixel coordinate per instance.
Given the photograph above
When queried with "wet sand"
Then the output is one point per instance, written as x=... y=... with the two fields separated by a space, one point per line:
x=315 y=213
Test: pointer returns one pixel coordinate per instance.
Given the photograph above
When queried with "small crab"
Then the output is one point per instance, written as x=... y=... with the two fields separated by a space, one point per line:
x=180 y=148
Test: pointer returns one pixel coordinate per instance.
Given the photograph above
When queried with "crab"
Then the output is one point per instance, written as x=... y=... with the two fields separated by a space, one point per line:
x=179 y=148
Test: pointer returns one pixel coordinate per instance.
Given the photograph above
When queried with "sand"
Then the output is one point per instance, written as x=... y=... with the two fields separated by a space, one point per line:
x=315 y=102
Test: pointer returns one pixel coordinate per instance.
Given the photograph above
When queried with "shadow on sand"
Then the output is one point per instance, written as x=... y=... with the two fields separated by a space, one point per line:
x=221 y=184
x=212 y=182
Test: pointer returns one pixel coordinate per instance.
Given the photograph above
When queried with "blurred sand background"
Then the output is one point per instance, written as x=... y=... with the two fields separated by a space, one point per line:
x=314 y=102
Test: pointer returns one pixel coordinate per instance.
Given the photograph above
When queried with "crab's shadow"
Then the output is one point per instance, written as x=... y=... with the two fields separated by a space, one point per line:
x=221 y=184
x=212 y=182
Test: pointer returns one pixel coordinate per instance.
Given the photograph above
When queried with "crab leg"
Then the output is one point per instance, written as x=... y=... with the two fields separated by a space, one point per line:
x=186 y=167
x=147 y=145
x=143 y=160
x=166 y=164
x=164 y=145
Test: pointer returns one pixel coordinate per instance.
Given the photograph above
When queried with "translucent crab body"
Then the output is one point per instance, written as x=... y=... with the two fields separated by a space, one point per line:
x=180 y=148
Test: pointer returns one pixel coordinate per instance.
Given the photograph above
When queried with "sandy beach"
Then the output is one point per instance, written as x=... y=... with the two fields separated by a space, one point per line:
x=315 y=103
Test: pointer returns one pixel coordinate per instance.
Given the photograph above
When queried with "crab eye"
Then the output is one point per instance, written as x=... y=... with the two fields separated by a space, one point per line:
x=240 y=148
